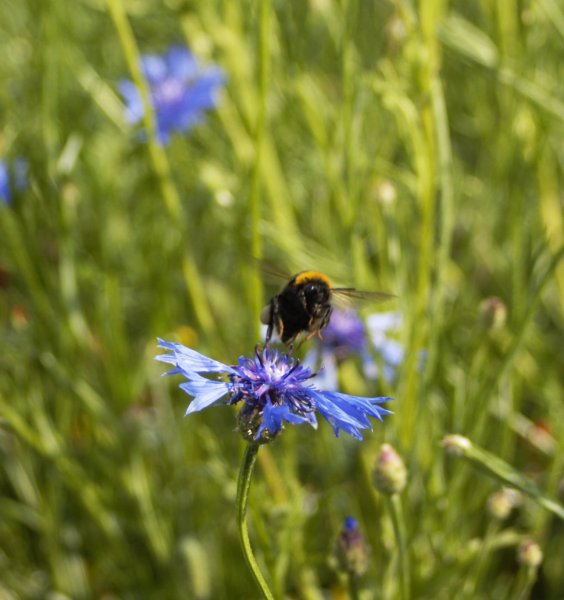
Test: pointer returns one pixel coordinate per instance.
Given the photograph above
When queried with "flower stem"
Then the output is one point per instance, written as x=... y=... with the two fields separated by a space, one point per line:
x=353 y=586
x=396 y=514
x=243 y=487
x=496 y=467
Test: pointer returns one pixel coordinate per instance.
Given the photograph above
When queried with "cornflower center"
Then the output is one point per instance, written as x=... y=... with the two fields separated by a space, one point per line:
x=169 y=91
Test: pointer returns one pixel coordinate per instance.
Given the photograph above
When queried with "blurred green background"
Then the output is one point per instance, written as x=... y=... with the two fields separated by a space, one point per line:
x=412 y=147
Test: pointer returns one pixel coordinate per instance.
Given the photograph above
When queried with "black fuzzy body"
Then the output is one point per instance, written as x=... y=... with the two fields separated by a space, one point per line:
x=304 y=305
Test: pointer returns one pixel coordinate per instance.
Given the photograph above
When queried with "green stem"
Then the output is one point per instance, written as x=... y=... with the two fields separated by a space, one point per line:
x=524 y=583
x=260 y=135
x=489 y=388
x=446 y=220
x=497 y=468
x=353 y=586
x=398 y=523
x=476 y=576
x=243 y=487
x=156 y=151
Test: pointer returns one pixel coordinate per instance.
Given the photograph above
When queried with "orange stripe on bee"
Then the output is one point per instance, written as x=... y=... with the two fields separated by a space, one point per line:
x=306 y=276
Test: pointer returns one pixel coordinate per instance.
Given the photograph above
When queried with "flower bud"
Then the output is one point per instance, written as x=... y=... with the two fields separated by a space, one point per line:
x=19 y=316
x=351 y=550
x=456 y=445
x=385 y=192
x=493 y=313
x=249 y=419
x=389 y=475
x=529 y=554
x=503 y=502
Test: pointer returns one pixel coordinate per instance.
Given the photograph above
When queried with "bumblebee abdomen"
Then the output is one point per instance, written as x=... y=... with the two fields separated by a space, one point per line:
x=292 y=315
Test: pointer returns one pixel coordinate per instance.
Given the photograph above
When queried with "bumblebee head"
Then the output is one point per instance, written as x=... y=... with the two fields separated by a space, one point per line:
x=316 y=293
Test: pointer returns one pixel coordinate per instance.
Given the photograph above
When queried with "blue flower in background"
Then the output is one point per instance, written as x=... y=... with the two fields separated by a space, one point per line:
x=181 y=90
x=347 y=336
x=274 y=389
x=5 y=195
x=17 y=179
x=392 y=353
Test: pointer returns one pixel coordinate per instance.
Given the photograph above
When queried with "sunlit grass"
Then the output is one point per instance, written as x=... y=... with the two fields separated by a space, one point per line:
x=410 y=148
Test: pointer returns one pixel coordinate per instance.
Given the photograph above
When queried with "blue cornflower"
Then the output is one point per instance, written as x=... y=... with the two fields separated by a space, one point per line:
x=274 y=389
x=181 y=90
x=18 y=181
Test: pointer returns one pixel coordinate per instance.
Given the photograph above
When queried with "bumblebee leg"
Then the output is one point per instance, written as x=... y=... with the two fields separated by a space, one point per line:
x=326 y=319
x=273 y=315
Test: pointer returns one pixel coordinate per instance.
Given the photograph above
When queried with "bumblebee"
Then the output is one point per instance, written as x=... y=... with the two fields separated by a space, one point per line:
x=305 y=305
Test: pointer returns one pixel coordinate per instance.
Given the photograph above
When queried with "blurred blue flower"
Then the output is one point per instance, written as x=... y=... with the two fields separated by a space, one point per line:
x=14 y=178
x=180 y=91
x=5 y=195
x=347 y=336
x=391 y=352
x=273 y=389
x=350 y=525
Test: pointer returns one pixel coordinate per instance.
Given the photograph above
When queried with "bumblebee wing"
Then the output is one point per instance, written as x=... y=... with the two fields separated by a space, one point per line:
x=346 y=296
x=273 y=273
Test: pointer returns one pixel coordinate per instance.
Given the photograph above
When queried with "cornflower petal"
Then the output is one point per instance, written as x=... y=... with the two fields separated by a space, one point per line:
x=134 y=104
x=273 y=417
x=205 y=392
x=181 y=63
x=154 y=67
x=188 y=360
x=350 y=412
x=359 y=406
x=340 y=418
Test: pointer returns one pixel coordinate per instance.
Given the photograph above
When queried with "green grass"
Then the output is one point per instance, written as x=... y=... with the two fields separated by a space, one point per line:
x=455 y=111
